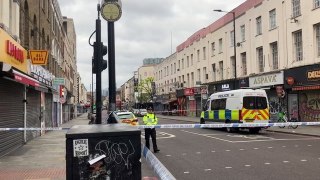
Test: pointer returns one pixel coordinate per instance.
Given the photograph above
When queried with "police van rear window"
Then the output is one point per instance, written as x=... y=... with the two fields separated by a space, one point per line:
x=253 y=102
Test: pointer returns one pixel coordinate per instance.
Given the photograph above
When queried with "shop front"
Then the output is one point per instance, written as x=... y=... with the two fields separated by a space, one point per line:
x=273 y=84
x=190 y=102
x=173 y=104
x=303 y=85
x=181 y=102
x=227 y=85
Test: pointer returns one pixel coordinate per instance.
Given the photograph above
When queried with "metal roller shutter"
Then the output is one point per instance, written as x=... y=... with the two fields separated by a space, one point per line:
x=48 y=112
x=33 y=113
x=11 y=115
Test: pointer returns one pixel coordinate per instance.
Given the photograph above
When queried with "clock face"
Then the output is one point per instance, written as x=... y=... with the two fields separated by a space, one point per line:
x=111 y=11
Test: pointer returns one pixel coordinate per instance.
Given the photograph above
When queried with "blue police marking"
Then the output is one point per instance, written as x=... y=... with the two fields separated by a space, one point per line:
x=156 y=165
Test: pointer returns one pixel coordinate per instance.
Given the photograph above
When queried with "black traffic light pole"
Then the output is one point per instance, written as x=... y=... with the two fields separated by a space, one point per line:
x=112 y=68
x=98 y=61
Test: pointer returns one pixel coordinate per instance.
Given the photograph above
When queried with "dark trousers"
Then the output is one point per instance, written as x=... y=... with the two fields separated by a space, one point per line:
x=151 y=132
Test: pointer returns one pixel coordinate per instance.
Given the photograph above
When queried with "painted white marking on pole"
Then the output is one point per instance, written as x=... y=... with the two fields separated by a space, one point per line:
x=228 y=167
x=247 y=165
x=207 y=169
x=303 y=160
x=285 y=161
x=270 y=147
x=267 y=163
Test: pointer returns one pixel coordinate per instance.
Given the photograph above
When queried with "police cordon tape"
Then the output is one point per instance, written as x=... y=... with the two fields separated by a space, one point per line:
x=174 y=126
x=156 y=165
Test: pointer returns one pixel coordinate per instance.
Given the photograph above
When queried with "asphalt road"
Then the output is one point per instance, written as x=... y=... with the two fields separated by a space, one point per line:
x=215 y=154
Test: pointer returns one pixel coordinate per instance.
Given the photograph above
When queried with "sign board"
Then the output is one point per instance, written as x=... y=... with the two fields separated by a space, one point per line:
x=39 y=57
x=62 y=100
x=59 y=81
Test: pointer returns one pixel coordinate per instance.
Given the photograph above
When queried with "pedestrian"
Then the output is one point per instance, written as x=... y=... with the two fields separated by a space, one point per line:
x=150 y=119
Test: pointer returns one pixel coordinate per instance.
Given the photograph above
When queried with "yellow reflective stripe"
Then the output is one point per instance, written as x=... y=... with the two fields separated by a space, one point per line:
x=222 y=114
x=234 y=114
x=202 y=114
x=210 y=114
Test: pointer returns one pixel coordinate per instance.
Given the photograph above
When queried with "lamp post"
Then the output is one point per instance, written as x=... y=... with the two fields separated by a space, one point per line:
x=234 y=43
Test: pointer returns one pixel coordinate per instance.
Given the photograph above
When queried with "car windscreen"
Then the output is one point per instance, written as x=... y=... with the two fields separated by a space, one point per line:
x=254 y=102
x=125 y=116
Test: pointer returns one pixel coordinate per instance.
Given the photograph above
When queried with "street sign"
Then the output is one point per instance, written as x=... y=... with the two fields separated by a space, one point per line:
x=39 y=57
x=59 y=81
x=62 y=100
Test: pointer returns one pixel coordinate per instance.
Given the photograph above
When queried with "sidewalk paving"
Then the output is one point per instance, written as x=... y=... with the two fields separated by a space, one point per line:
x=301 y=130
x=44 y=157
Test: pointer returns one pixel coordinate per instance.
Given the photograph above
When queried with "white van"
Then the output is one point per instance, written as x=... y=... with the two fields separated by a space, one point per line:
x=237 y=106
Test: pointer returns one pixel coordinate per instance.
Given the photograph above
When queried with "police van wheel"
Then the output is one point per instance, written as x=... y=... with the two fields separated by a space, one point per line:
x=202 y=121
x=229 y=129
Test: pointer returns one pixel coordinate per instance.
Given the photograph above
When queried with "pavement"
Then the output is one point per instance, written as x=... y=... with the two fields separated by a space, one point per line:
x=301 y=130
x=44 y=157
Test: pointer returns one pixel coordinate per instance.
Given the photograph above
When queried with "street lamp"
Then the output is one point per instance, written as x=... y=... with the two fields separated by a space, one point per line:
x=234 y=43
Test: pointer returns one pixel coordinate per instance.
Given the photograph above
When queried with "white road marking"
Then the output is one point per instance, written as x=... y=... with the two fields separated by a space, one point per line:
x=198 y=152
x=241 y=149
x=270 y=147
x=228 y=150
x=255 y=148
x=168 y=155
x=296 y=145
x=207 y=169
x=206 y=135
x=303 y=160
x=283 y=146
x=309 y=145
x=228 y=167
x=267 y=163
x=213 y=151
x=285 y=161
x=183 y=154
x=161 y=134
x=186 y=172
x=319 y=158
x=247 y=165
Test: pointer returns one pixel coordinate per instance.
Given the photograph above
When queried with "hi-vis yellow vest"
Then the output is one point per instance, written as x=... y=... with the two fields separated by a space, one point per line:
x=150 y=119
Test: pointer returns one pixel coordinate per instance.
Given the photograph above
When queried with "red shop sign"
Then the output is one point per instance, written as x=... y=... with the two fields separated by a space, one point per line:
x=189 y=92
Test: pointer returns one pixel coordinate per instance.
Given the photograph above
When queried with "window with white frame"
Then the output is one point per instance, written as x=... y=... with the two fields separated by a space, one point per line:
x=192 y=79
x=171 y=69
x=204 y=71
x=212 y=48
x=167 y=70
x=297 y=36
x=199 y=75
x=244 y=63
x=214 y=76
x=220 y=45
x=221 y=69
x=204 y=53
x=259 y=25
x=317 y=30
x=191 y=58
x=233 y=64
x=296 y=9
x=274 y=51
x=231 y=38
x=316 y=3
x=188 y=80
x=182 y=63
x=188 y=61
x=260 y=59
x=179 y=65
x=198 y=55
x=272 y=18
x=175 y=68
x=243 y=33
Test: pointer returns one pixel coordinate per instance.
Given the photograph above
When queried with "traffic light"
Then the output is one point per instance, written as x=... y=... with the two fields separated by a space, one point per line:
x=104 y=51
x=94 y=58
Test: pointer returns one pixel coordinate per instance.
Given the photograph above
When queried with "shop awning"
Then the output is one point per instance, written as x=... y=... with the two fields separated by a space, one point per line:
x=25 y=79
x=303 y=88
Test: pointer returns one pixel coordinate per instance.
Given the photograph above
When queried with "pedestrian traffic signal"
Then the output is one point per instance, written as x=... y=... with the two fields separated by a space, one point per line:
x=104 y=51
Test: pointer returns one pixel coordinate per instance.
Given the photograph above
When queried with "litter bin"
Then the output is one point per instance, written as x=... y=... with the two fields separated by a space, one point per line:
x=110 y=151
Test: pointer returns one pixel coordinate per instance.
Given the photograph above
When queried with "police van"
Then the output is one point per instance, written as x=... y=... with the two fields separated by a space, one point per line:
x=237 y=106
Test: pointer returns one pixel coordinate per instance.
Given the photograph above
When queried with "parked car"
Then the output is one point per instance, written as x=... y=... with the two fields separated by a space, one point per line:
x=142 y=112
x=128 y=118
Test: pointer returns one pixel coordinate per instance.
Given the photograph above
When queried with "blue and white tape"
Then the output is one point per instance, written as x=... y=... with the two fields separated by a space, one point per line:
x=177 y=126
x=156 y=165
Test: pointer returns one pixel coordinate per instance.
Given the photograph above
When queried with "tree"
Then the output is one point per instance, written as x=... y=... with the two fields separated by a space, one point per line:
x=145 y=91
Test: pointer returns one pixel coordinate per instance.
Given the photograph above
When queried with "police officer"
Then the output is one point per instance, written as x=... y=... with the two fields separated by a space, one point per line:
x=150 y=119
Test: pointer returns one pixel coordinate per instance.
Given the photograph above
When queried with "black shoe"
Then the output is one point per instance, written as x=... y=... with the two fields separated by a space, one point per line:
x=157 y=150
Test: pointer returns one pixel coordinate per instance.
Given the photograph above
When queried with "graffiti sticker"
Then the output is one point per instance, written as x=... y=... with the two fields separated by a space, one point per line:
x=80 y=147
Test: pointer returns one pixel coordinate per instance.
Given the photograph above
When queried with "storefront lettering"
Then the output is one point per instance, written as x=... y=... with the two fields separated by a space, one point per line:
x=265 y=79
x=14 y=51
x=314 y=74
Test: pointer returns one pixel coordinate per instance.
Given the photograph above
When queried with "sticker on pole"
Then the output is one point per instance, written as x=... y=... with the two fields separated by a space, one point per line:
x=80 y=147
x=39 y=57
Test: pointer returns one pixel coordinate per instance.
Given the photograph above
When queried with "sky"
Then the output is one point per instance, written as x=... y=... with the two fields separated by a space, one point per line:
x=146 y=29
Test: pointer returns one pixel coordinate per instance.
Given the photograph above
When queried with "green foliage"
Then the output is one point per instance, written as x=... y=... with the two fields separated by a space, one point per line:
x=145 y=90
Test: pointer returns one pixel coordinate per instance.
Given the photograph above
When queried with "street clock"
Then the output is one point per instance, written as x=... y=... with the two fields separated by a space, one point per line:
x=111 y=11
